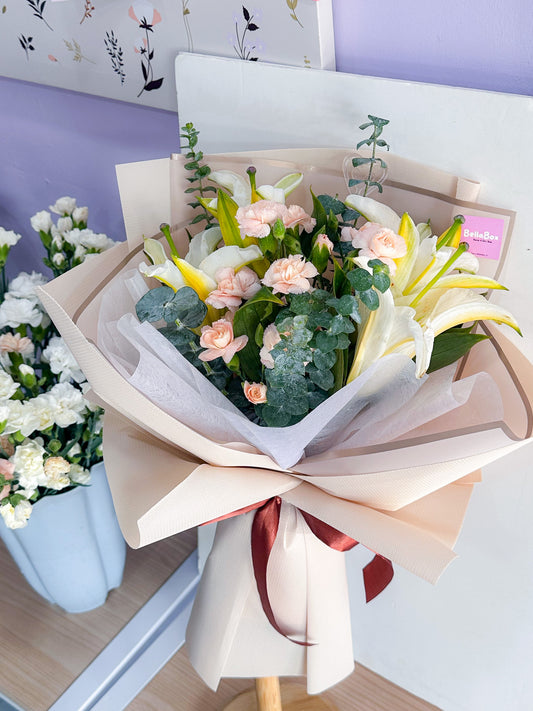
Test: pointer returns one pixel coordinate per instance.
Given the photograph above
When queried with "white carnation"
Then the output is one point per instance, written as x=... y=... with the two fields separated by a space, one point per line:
x=80 y=214
x=58 y=259
x=56 y=470
x=70 y=404
x=42 y=221
x=64 y=206
x=57 y=238
x=23 y=286
x=16 y=516
x=39 y=414
x=61 y=360
x=29 y=464
x=79 y=252
x=79 y=475
x=64 y=224
x=93 y=240
x=8 y=238
x=74 y=450
x=8 y=386
x=14 y=312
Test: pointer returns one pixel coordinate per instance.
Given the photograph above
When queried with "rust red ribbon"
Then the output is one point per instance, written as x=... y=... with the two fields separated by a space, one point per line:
x=376 y=575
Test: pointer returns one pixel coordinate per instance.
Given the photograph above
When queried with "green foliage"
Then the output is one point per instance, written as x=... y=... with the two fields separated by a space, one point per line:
x=183 y=307
x=198 y=174
x=451 y=345
x=373 y=141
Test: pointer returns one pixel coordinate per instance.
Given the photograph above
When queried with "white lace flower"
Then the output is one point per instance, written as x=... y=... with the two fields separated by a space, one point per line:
x=23 y=286
x=14 y=312
x=8 y=238
x=16 y=516
x=61 y=360
x=79 y=475
x=70 y=404
x=64 y=206
x=42 y=221
x=8 y=387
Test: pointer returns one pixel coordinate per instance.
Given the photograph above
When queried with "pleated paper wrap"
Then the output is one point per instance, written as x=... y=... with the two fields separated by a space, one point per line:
x=403 y=498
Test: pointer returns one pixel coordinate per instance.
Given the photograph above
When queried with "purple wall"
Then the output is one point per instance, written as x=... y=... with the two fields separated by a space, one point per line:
x=55 y=142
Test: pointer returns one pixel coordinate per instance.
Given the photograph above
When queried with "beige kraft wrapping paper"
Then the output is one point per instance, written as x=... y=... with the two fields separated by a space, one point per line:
x=404 y=499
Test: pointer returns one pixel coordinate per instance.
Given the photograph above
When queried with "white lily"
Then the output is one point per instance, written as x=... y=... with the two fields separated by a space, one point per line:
x=199 y=268
x=426 y=298
x=241 y=189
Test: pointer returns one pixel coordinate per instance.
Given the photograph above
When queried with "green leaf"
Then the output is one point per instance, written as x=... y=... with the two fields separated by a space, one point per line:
x=326 y=342
x=341 y=285
x=318 y=213
x=275 y=416
x=181 y=338
x=360 y=279
x=226 y=211
x=331 y=204
x=323 y=378
x=348 y=306
x=324 y=361
x=186 y=307
x=150 y=306
x=370 y=299
x=451 y=345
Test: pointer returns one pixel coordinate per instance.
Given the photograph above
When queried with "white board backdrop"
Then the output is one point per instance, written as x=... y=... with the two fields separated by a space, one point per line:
x=126 y=50
x=466 y=644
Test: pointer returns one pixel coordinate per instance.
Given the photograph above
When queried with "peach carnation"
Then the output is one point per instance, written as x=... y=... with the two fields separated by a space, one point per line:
x=219 y=341
x=233 y=288
x=15 y=343
x=6 y=469
x=290 y=275
x=270 y=338
x=296 y=215
x=255 y=392
x=376 y=242
x=256 y=219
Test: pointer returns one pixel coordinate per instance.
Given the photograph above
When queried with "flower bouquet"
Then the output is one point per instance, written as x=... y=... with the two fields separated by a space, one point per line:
x=50 y=434
x=271 y=372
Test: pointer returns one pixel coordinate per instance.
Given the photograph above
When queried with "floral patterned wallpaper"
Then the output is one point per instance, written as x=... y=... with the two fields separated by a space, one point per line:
x=125 y=49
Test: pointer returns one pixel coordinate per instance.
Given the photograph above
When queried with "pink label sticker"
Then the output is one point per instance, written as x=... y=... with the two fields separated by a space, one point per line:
x=484 y=235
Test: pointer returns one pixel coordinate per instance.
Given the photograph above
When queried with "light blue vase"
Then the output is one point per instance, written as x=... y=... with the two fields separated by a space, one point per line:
x=72 y=551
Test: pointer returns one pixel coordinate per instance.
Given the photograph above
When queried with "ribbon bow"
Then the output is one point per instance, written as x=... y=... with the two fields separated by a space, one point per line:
x=376 y=575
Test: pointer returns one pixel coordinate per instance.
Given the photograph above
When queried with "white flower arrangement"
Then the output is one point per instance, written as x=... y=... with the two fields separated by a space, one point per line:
x=50 y=435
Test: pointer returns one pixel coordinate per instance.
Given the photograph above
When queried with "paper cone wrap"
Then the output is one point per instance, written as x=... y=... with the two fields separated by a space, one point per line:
x=404 y=499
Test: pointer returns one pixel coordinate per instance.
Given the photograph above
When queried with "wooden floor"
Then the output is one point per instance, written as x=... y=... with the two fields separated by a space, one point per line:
x=43 y=649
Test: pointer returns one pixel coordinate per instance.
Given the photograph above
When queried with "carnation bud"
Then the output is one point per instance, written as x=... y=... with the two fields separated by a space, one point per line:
x=278 y=230
x=80 y=215
x=27 y=375
x=320 y=252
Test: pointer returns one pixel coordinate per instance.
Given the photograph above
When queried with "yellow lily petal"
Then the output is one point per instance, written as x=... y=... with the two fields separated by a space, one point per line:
x=405 y=264
x=458 y=306
x=167 y=273
x=468 y=281
x=374 y=211
x=195 y=278
x=155 y=251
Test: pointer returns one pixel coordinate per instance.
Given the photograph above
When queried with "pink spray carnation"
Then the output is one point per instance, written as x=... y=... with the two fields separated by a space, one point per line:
x=290 y=275
x=219 y=341
x=256 y=393
x=296 y=215
x=376 y=242
x=270 y=338
x=256 y=219
x=6 y=468
x=233 y=288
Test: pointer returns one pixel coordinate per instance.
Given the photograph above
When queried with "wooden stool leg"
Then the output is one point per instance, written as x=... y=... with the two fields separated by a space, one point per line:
x=268 y=694
x=266 y=697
